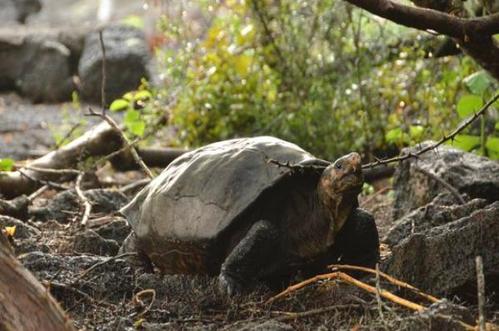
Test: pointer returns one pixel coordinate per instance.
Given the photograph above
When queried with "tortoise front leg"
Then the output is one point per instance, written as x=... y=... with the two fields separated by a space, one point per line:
x=258 y=254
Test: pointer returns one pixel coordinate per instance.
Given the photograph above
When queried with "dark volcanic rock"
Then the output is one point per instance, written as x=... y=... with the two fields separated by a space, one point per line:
x=118 y=229
x=440 y=316
x=90 y=242
x=469 y=173
x=17 y=10
x=127 y=57
x=442 y=258
x=66 y=205
x=23 y=230
x=432 y=215
x=36 y=63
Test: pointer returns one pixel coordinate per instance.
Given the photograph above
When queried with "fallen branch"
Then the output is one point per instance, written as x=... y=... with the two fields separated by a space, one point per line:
x=387 y=277
x=350 y=280
x=24 y=303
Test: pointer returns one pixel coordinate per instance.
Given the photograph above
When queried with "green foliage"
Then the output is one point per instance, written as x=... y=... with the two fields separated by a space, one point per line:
x=485 y=142
x=139 y=112
x=319 y=73
x=6 y=164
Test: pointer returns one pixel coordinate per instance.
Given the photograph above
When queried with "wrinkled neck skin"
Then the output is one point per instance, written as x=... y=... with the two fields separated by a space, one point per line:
x=337 y=207
x=315 y=229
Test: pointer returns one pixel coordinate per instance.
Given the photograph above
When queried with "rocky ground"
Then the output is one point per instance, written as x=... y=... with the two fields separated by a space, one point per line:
x=101 y=290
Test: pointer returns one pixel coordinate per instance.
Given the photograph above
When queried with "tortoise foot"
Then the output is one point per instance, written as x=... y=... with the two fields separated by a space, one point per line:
x=229 y=286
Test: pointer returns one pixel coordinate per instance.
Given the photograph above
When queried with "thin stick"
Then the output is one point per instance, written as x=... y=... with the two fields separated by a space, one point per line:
x=480 y=279
x=388 y=278
x=87 y=205
x=37 y=193
x=312 y=312
x=350 y=280
x=98 y=264
x=125 y=140
x=448 y=186
x=378 y=292
x=137 y=296
x=104 y=78
x=445 y=138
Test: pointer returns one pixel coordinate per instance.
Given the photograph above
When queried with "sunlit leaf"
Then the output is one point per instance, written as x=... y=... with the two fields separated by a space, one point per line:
x=6 y=164
x=142 y=95
x=135 y=21
x=466 y=142
x=478 y=82
x=416 y=131
x=469 y=104
x=492 y=146
x=134 y=123
x=119 y=105
x=10 y=231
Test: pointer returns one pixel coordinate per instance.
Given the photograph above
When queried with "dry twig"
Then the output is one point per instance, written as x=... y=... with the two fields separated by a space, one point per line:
x=137 y=299
x=480 y=279
x=350 y=280
x=387 y=277
x=86 y=203
x=98 y=264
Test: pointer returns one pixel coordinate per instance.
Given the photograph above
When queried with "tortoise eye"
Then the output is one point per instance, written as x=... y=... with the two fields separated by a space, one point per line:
x=338 y=165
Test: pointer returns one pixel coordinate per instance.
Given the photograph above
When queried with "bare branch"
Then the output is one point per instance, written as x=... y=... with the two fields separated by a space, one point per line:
x=444 y=139
x=429 y=19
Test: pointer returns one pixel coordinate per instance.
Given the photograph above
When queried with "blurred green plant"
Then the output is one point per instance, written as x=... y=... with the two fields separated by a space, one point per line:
x=319 y=73
x=6 y=164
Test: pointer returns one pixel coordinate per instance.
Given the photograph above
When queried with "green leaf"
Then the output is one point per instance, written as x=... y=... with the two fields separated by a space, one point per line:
x=416 y=131
x=134 y=123
x=6 y=164
x=469 y=104
x=142 y=95
x=492 y=146
x=466 y=142
x=119 y=105
x=478 y=82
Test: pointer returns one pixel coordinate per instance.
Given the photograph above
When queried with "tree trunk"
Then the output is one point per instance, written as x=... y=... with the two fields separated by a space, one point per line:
x=24 y=303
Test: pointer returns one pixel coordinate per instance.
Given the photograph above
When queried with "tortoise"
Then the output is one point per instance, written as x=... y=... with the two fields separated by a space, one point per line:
x=250 y=209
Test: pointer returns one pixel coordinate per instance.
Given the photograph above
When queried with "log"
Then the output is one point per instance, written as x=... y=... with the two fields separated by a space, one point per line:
x=24 y=303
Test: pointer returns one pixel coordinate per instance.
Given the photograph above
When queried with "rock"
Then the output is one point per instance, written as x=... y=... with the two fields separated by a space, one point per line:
x=90 y=242
x=469 y=173
x=440 y=316
x=118 y=229
x=36 y=63
x=17 y=10
x=441 y=259
x=65 y=205
x=23 y=230
x=436 y=213
x=17 y=207
x=127 y=57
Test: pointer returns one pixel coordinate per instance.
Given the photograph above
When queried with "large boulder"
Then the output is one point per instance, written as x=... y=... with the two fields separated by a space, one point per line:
x=39 y=64
x=127 y=58
x=442 y=258
x=13 y=11
x=476 y=176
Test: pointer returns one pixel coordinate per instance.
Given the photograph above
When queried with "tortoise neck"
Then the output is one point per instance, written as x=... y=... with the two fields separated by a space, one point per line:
x=336 y=207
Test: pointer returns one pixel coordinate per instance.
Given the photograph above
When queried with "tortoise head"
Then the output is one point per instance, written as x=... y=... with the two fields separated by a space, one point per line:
x=338 y=188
